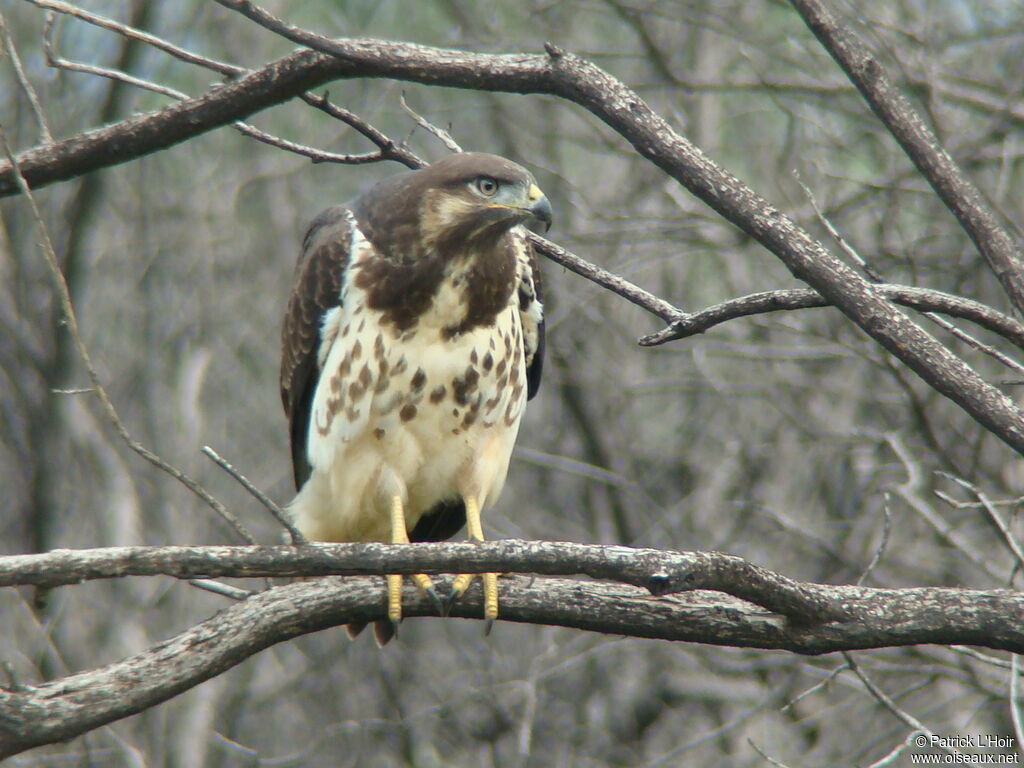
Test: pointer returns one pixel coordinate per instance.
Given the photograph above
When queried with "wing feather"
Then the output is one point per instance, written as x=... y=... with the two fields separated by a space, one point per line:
x=316 y=289
x=531 y=313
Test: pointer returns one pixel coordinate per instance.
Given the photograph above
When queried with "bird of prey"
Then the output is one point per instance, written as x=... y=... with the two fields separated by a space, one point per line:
x=413 y=337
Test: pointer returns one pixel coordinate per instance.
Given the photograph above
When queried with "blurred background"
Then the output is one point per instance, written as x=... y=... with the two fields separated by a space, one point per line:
x=791 y=439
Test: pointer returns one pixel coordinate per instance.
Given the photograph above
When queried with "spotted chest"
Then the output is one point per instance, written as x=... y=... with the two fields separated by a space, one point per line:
x=371 y=376
x=417 y=412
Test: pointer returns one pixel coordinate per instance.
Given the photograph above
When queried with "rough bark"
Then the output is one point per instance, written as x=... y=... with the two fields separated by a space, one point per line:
x=821 y=619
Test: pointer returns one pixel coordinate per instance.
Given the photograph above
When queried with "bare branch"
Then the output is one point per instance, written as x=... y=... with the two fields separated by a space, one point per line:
x=30 y=93
x=389 y=148
x=71 y=320
x=583 y=83
x=63 y=708
x=965 y=337
x=921 y=144
x=821 y=618
x=993 y=515
x=909 y=491
x=609 y=280
x=296 y=535
x=439 y=133
x=882 y=544
x=657 y=571
x=57 y=61
x=125 y=30
x=921 y=299
x=887 y=702
x=841 y=241
x=219 y=588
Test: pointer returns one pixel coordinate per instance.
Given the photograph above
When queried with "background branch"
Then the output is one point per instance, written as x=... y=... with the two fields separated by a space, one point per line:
x=585 y=84
x=921 y=144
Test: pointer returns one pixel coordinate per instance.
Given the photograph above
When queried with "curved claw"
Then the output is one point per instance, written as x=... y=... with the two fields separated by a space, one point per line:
x=488 y=626
x=439 y=604
x=384 y=630
x=449 y=600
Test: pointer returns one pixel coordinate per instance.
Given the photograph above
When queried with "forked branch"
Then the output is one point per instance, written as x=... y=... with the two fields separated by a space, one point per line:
x=808 y=618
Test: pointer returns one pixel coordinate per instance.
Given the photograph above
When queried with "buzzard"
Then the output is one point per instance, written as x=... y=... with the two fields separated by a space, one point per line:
x=413 y=337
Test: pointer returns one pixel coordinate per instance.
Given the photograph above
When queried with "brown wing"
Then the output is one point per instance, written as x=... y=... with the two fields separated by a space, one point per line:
x=531 y=290
x=316 y=289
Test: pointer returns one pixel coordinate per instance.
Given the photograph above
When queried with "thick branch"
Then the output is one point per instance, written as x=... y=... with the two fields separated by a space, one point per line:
x=921 y=144
x=658 y=571
x=585 y=84
x=61 y=709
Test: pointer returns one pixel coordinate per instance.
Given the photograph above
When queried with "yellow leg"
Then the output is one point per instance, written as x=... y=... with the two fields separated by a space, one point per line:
x=490 y=580
x=399 y=535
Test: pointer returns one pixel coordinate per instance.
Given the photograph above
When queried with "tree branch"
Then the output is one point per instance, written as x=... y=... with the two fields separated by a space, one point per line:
x=921 y=299
x=61 y=709
x=576 y=80
x=921 y=144
x=657 y=571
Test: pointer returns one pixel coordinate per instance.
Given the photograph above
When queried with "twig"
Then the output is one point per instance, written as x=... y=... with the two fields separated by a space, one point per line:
x=219 y=588
x=314 y=154
x=895 y=752
x=144 y=37
x=26 y=85
x=296 y=535
x=871 y=273
x=965 y=337
x=604 y=278
x=1015 y=716
x=71 y=321
x=892 y=706
x=388 y=150
x=58 y=62
x=994 y=516
x=982 y=657
x=880 y=549
x=1014 y=502
x=765 y=755
x=12 y=676
x=439 y=133
x=848 y=249
x=817 y=686
x=908 y=491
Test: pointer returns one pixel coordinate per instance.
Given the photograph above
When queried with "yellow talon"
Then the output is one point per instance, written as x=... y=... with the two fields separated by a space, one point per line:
x=399 y=535
x=394 y=598
x=463 y=580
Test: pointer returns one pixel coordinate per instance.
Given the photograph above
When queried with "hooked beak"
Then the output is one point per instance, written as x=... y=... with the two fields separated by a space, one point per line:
x=539 y=208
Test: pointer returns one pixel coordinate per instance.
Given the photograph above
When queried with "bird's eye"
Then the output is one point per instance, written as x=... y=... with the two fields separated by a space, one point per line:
x=487 y=186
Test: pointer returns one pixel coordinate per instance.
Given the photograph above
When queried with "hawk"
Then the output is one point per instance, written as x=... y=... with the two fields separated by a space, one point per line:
x=413 y=337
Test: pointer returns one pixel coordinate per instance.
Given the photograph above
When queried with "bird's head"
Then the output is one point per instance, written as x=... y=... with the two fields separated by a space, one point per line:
x=473 y=199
